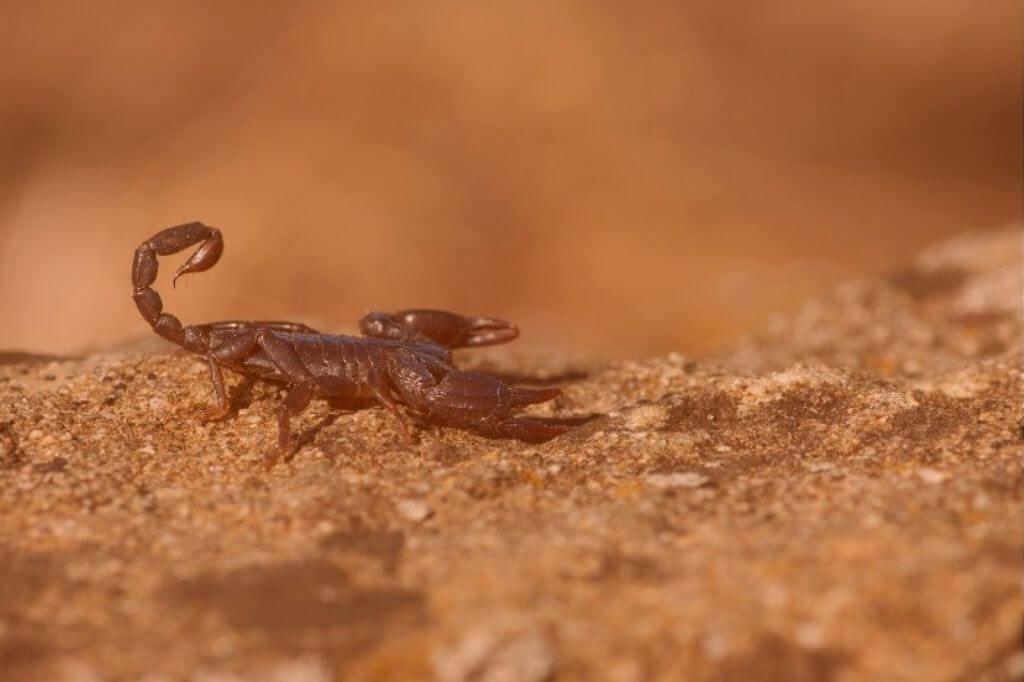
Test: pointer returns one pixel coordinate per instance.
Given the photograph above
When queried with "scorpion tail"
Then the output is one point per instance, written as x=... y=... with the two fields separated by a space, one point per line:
x=144 y=271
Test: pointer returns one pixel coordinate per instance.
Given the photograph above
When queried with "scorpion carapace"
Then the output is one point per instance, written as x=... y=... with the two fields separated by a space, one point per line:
x=404 y=361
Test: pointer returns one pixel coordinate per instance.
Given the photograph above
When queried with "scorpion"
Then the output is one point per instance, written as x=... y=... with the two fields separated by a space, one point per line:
x=402 y=362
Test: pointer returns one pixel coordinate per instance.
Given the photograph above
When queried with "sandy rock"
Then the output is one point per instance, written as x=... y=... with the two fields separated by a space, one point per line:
x=496 y=654
x=837 y=497
x=686 y=479
x=414 y=510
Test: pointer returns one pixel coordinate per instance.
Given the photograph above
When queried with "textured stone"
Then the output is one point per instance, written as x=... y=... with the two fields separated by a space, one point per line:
x=837 y=497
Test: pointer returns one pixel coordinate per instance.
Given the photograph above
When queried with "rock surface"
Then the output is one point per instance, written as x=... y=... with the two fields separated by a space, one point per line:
x=838 y=498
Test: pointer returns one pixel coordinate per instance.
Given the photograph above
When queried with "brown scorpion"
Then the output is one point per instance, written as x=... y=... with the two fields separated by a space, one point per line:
x=404 y=359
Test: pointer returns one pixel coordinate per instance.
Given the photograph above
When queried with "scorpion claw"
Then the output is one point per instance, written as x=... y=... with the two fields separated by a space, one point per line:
x=535 y=429
x=484 y=404
x=487 y=331
x=528 y=429
x=450 y=330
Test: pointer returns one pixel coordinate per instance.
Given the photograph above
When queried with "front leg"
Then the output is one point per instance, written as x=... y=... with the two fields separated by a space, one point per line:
x=439 y=327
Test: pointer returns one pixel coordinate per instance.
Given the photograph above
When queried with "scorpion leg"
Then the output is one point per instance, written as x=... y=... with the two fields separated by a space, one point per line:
x=232 y=350
x=333 y=388
x=294 y=404
x=232 y=342
x=392 y=406
x=301 y=389
x=301 y=385
x=223 y=406
x=440 y=327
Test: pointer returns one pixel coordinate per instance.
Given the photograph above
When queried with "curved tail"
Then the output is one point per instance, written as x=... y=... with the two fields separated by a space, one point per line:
x=144 y=270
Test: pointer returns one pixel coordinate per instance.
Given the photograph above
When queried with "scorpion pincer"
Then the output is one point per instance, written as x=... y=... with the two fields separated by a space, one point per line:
x=403 y=361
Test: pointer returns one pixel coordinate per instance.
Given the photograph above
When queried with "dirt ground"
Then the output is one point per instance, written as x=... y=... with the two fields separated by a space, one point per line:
x=836 y=498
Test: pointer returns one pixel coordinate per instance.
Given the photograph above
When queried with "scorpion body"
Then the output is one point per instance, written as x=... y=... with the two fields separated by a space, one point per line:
x=403 y=361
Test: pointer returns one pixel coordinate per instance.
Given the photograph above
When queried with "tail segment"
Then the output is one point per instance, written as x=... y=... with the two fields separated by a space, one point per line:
x=144 y=270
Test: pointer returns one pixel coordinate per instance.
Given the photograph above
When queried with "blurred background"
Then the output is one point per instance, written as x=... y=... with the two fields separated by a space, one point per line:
x=621 y=178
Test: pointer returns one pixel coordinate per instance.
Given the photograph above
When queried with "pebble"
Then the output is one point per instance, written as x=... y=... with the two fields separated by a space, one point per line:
x=488 y=654
x=75 y=670
x=1015 y=666
x=646 y=417
x=414 y=510
x=932 y=476
x=305 y=669
x=685 y=479
x=818 y=467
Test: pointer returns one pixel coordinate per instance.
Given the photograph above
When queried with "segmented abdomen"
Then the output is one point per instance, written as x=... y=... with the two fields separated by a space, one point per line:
x=363 y=361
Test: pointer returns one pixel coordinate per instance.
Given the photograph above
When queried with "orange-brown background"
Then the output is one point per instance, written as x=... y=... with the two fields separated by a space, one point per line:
x=620 y=177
